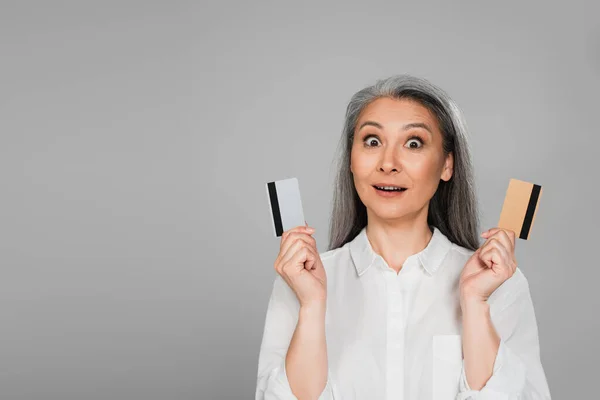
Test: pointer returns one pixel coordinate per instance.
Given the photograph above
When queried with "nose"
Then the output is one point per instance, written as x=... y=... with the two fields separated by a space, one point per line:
x=388 y=161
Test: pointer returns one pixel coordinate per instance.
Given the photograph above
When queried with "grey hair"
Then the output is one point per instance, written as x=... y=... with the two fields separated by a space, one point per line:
x=453 y=208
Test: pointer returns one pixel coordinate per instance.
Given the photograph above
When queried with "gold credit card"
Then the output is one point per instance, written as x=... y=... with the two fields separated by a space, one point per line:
x=520 y=206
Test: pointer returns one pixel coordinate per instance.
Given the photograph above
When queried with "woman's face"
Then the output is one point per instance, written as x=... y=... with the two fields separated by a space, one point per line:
x=398 y=142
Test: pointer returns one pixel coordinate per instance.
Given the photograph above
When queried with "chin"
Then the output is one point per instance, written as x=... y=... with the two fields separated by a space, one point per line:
x=389 y=211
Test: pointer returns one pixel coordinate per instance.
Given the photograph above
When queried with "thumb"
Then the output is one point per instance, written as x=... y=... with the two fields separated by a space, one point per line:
x=310 y=262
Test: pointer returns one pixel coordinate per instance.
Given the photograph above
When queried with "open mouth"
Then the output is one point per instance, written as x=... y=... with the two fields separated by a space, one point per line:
x=381 y=189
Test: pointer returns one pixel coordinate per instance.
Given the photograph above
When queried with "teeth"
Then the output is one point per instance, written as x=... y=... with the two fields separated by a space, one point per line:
x=388 y=188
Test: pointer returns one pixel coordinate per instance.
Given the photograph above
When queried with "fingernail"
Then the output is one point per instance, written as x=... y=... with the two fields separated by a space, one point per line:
x=310 y=229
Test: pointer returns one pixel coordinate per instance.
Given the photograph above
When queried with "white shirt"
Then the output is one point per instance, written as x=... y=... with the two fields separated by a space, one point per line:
x=398 y=336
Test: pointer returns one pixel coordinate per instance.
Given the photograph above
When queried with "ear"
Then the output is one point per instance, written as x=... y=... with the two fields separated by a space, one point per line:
x=448 y=167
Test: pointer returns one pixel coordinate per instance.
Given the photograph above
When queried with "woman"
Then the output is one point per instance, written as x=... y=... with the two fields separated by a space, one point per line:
x=405 y=304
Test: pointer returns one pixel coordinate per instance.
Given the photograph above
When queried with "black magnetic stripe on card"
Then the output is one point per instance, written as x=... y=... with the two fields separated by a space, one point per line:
x=533 y=199
x=275 y=208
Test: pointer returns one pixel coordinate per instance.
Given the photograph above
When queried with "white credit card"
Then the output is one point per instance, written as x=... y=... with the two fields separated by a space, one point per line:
x=286 y=205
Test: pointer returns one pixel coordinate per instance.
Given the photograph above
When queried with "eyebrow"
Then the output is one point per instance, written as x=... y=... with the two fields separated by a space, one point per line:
x=406 y=127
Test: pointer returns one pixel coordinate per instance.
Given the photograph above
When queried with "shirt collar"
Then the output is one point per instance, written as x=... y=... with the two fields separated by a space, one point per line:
x=430 y=257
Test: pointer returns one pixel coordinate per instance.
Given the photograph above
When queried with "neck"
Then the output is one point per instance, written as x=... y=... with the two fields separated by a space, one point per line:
x=395 y=241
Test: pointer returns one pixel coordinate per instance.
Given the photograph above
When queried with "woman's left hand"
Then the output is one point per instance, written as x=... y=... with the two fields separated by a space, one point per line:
x=490 y=266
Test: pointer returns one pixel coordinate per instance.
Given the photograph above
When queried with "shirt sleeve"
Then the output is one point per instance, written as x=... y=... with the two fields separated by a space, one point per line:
x=280 y=323
x=518 y=371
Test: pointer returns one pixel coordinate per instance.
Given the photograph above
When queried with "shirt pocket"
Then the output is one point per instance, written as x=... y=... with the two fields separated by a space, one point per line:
x=447 y=366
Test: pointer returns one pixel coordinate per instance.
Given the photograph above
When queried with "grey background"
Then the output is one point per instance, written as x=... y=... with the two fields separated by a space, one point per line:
x=136 y=254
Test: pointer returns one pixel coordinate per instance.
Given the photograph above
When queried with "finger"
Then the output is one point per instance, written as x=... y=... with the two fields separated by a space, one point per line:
x=495 y=232
x=307 y=254
x=295 y=247
x=510 y=234
x=303 y=258
x=287 y=248
x=497 y=259
x=300 y=228
x=287 y=253
x=491 y=258
x=502 y=238
x=505 y=236
x=292 y=236
x=508 y=255
x=304 y=229
x=498 y=243
x=311 y=260
x=297 y=233
x=491 y=231
x=484 y=246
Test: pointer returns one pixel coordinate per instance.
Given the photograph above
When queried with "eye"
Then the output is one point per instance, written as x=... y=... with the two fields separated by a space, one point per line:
x=370 y=139
x=415 y=139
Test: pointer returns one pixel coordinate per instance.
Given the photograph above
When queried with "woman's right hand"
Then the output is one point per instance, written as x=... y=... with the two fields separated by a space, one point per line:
x=299 y=264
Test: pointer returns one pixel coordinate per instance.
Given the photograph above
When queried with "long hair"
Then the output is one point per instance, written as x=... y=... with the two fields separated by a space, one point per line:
x=453 y=208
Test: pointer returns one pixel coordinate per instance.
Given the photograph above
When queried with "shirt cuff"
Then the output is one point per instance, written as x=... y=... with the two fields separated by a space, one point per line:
x=279 y=387
x=507 y=380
